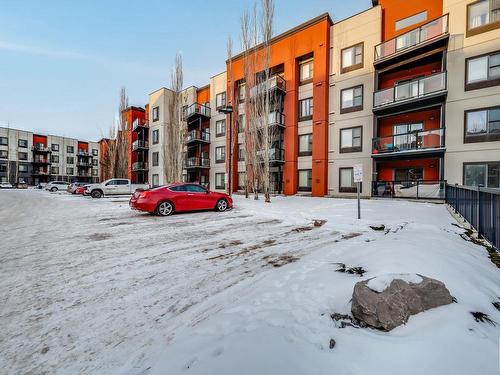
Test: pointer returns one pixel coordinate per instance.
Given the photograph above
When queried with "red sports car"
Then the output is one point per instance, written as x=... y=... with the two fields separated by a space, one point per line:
x=79 y=190
x=165 y=200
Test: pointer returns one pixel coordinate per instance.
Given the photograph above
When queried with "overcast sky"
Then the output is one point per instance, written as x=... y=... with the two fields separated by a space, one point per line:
x=62 y=62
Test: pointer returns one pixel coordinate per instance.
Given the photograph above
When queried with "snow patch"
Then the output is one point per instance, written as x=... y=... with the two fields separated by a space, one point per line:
x=380 y=283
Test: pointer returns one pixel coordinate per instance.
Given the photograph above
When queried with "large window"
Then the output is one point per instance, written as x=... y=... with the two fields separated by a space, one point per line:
x=70 y=160
x=4 y=141
x=220 y=154
x=305 y=145
x=351 y=139
x=482 y=125
x=351 y=99
x=486 y=174
x=22 y=155
x=95 y=162
x=241 y=152
x=406 y=136
x=305 y=180
x=70 y=171
x=220 y=100
x=156 y=159
x=156 y=113
x=156 y=137
x=54 y=170
x=408 y=174
x=95 y=152
x=352 y=58
x=242 y=180
x=220 y=128
x=306 y=70
x=54 y=158
x=70 y=149
x=55 y=147
x=482 y=16
x=22 y=143
x=483 y=71
x=346 y=180
x=220 y=181
x=305 y=109
x=242 y=92
x=155 y=180
x=241 y=123
x=4 y=154
x=22 y=168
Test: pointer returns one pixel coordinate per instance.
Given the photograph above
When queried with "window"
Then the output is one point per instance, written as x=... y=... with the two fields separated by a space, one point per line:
x=220 y=181
x=220 y=128
x=95 y=152
x=3 y=167
x=54 y=158
x=70 y=171
x=241 y=123
x=156 y=113
x=305 y=145
x=4 y=141
x=22 y=155
x=156 y=157
x=412 y=20
x=4 y=154
x=220 y=154
x=22 y=168
x=241 y=152
x=352 y=58
x=220 y=100
x=54 y=147
x=156 y=180
x=22 y=143
x=482 y=125
x=70 y=149
x=306 y=69
x=242 y=180
x=305 y=180
x=54 y=170
x=346 y=180
x=305 y=109
x=351 y=99
x=70 y=160
x=404 y=175
x=156 y=137
x=351 y=139
x=482 y=16
x=242 y=92
x=486 y=174
x=482 y=71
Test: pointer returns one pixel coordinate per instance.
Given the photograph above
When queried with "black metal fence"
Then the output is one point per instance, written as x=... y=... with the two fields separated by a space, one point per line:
x=480 y=207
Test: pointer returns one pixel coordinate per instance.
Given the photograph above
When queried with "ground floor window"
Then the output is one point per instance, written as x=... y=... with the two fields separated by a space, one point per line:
x=242 y=180
x=220 y=181
x=485 y=174
x=3 y=179
x=54 y=170
x=408 y=174
x=305 y=180
x=346 y=180
x=156 y=180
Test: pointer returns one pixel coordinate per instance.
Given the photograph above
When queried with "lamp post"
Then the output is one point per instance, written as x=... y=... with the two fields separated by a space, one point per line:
x=228 y=110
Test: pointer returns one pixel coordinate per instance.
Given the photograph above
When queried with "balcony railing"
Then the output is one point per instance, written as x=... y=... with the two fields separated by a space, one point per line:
x=41 y=161
x=140 y=166
x=41 y=173
x=139 y=123
x=415 y=89
x=275 y=155
x=196 y=162
x=83 y=153
x=273 y=83
x=83 y=174
x=196 y=135
x=412 y=141
x=40 y=148
x=136 y=145
x=416 y=189
x=275 y=118
x=83 y=164
x=196 y=109
x=425 y=33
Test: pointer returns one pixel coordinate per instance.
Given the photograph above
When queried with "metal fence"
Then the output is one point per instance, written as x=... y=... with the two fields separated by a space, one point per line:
x=480 y=207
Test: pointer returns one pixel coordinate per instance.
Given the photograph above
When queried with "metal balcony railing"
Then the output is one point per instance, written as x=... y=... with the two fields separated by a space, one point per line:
x=140 y=166
x=38 y=160
x=412 y=141
x=139 y=123
x=40 y=148
x=413 y=38
x=412 y=90
x=275 y=155
x=196 y=135
x=139 y=145
x=273 y=83
x=196 y=162
x=83 y=153
x=275 y=118
x=416 y=189
x=196 y=109
x=83 y=164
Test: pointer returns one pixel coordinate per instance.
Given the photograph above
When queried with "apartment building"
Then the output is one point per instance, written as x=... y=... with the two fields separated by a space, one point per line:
x=31 y=158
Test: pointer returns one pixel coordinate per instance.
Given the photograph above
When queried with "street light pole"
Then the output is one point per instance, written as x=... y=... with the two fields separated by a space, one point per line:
x=228 y=110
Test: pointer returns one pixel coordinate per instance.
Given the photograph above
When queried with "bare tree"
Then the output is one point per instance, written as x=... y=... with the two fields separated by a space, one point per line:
x=231 y=101
x=118 y=147
x=175 y=130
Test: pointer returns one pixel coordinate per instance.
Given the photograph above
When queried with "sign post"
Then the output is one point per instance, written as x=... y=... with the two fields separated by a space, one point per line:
x=357 y=172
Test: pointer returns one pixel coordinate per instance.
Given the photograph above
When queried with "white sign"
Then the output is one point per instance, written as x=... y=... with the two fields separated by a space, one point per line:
x=358 y=172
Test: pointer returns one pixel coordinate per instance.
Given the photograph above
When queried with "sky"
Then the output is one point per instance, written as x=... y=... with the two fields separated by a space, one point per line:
x=63 y=62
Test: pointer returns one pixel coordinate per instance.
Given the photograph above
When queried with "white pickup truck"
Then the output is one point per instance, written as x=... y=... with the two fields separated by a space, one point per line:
x=113 y=186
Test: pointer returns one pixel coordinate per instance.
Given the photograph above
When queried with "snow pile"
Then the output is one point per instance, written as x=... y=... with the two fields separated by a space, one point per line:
x=380 y=283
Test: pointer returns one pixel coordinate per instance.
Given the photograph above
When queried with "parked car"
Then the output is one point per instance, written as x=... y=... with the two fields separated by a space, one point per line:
x=80 y=190
x=113 y=186
x=165 y=200
x=21 y=185
x=56 y=185
x=5 y=185
x=73 y=186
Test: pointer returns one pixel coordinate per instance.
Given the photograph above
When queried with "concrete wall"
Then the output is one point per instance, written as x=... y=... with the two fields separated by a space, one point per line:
x=218 y=84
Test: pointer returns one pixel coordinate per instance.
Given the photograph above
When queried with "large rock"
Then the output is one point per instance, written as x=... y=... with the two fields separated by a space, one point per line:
x=386 y=302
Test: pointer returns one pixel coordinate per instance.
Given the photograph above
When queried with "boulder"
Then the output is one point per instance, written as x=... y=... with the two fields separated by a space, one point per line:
x=386 y=302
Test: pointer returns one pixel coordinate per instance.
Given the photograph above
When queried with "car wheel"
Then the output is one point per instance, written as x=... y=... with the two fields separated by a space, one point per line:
x=54 y=189
x=221 y=205
x=165 y=209
x=96 y=194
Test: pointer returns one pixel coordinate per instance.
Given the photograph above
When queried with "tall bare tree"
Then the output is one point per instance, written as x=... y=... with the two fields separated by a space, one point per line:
x=231 y=101
x=119 y=145
x=175 y=129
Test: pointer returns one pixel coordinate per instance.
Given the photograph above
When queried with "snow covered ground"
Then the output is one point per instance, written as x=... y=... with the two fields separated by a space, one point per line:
x=91 y=287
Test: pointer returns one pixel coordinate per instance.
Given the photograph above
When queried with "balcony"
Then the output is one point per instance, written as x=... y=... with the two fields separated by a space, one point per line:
x=415 y=91
x=140 y=166
x=83 y=164
x=422 y=141
x=140 y=145
x=83 y=154
x=83 y=174
x=41 y=148
x=41 y=173
x=41 y=161
x=276 y=155
x=195 y=136
x=195 y=109
x=139 y=124
x=196 y=162
x=275 y=84
x=275 y=118
x=417 y=38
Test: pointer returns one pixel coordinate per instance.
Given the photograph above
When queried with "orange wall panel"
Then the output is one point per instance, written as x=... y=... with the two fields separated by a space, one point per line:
x=37 y=139
x=389 y=79
x=203 y=95
x=430 y=117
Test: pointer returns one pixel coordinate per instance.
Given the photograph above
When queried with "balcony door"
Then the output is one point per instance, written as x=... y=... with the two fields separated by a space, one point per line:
x=408 y=175
x=405 y=136
x=409 y=89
